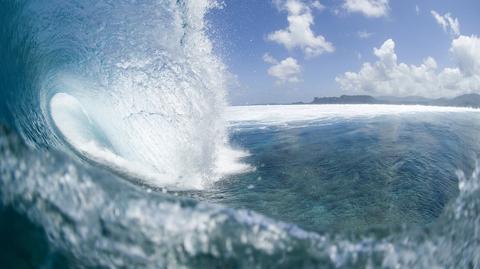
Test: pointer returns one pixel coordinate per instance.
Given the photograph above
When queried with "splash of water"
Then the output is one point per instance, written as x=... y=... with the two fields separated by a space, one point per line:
x=133 y=86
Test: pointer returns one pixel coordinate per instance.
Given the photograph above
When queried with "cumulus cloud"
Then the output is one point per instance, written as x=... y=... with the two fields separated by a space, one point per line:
x=447 y=22
x=299 y=33
x=467 y=53
x=369 y=8
x=285 y=71
x=388 y=77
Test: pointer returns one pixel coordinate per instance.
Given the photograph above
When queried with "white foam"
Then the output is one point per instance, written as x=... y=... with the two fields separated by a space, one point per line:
x=230 y=161
x=282 y=114
x=79 y=130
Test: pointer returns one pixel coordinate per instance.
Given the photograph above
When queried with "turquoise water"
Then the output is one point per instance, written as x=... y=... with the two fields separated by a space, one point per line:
x=355 y=176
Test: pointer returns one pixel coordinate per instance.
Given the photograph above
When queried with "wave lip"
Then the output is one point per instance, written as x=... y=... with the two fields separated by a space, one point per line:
x=143 y=94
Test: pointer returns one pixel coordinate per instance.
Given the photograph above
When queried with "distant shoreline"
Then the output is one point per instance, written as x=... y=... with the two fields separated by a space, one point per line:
x=466 y=100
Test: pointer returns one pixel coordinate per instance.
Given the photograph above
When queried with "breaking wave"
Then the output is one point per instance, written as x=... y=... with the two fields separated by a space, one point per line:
x=134 y=87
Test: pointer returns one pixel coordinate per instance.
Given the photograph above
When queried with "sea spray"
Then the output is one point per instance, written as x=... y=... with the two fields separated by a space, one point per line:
x=145 y=75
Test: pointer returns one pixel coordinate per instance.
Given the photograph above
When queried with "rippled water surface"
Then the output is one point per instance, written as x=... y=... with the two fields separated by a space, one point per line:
x=355 y=175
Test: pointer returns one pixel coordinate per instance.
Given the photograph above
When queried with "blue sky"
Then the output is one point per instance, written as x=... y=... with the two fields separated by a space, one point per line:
x=244 y=33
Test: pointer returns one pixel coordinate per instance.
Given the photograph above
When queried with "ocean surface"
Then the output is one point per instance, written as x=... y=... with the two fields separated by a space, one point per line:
x=348 y=171
x=118 y=150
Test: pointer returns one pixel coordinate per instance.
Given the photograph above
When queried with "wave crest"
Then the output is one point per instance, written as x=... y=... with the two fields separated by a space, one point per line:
x=144 y=73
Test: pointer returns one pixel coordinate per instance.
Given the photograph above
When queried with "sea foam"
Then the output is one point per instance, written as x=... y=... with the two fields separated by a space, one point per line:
x=283 y=114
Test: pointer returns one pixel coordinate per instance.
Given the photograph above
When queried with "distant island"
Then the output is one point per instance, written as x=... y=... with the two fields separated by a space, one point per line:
x=466 y=100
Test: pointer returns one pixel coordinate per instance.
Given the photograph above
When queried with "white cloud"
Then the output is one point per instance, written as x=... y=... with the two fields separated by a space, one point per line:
x=467 y=53
x=318 y=5
x=364 y=34
x=388 y=77
x=369 y=8
x=269 y=59
x=417 y=10
x=299 y=33
x=448 y=23
x=285 y=71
